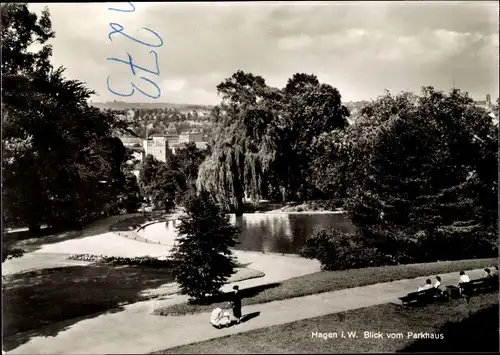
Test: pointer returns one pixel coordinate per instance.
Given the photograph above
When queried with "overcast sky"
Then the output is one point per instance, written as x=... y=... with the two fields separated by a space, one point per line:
x=359 y=48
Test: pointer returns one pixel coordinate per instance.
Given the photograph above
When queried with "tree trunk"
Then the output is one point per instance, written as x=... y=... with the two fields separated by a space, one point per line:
x=238 y=206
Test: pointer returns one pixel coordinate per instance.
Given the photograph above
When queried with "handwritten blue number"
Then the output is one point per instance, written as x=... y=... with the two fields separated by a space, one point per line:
x=117 y=28
x=133 y=8
x=134 y=87
x=132 y=65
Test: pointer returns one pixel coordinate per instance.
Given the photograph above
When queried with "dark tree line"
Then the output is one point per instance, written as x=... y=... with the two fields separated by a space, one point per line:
x=418 y=176
x=61 y=162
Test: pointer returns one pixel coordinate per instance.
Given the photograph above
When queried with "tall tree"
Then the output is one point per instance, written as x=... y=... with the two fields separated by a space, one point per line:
x=243 y=147
x=311 y=109
x=161 y=184
x=21 y=29
x=187 y=161
x=61 y=161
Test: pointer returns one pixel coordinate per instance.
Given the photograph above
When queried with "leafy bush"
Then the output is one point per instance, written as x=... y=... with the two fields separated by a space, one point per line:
x=337 y=250
x=446 y=244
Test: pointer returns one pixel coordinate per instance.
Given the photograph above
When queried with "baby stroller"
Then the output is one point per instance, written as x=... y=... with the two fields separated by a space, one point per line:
x=221 y=318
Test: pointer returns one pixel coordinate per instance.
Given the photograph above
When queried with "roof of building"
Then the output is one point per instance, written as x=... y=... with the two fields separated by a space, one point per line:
x=165 y=135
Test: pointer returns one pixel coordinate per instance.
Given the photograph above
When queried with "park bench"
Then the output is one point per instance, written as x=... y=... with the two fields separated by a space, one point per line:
x=484 y=284
x=425 y=296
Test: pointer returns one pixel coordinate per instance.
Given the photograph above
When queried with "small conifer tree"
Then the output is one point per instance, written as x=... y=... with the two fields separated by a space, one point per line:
x=202 y=258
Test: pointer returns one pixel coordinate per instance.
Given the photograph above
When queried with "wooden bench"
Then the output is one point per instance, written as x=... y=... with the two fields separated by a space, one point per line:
x=425 y=296
x=452 y=291
x=484 y=284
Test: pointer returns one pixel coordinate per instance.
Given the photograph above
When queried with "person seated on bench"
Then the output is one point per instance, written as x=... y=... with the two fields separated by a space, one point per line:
x=463 y=280
x=428 y=286
x=442 y=290
x=437 y=284
x=488 y=273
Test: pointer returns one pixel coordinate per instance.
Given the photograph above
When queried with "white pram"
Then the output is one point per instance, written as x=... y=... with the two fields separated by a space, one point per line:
x=221 y=318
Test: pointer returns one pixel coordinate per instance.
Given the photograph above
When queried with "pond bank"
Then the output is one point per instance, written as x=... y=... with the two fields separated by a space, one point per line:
x=277 y=232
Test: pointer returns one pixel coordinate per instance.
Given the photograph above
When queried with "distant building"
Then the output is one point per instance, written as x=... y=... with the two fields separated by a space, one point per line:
x=158 y=147
x=175 y=148
x=484 y=103
x=190 y=137
x=201 y=145
x=171 y=138
x=162 y=145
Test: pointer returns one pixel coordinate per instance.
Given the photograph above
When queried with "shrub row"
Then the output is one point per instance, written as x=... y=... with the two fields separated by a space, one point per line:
x=118 y=260
x=337 y=250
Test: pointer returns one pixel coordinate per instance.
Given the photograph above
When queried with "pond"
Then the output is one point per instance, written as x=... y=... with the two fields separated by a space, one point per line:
x=267 y=232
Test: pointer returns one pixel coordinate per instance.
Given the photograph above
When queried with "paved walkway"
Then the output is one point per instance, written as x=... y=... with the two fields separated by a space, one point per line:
x=37 y=261
x=135 y=330
x=48 y=251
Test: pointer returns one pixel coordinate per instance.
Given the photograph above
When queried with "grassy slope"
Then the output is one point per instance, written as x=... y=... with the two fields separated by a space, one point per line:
x=37 y=298
x=325 y=281
x=479 y=331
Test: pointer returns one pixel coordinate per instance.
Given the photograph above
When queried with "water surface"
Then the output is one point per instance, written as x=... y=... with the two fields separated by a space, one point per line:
x=264 y=232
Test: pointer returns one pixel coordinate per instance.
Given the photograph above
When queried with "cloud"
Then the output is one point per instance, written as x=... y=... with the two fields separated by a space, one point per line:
x=430 y=47
x=293 y=43
x=359 y=48
x=174 y=84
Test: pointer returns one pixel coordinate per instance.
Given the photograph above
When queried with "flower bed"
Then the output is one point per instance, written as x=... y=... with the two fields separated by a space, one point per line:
x=118 y=260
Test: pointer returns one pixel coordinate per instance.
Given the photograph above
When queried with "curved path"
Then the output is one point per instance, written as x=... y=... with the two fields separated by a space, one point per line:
x=97 y=239
x=135 y=330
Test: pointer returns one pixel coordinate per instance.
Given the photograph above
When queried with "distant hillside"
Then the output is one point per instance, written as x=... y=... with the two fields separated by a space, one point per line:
x=120 y=105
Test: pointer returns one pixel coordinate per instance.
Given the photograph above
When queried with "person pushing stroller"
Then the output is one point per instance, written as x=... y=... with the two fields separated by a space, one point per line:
x=236 y=304
x=231 y=313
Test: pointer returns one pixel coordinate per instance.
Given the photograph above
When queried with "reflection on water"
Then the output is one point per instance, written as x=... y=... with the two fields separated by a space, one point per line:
x=284 y=233
x=279 y=233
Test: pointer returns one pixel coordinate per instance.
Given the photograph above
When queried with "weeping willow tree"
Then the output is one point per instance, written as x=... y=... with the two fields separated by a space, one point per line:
x=244 y=143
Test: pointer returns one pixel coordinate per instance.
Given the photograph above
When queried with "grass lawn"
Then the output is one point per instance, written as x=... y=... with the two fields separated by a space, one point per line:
x=479 y=331
x=325 y=281
x=37 y=298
